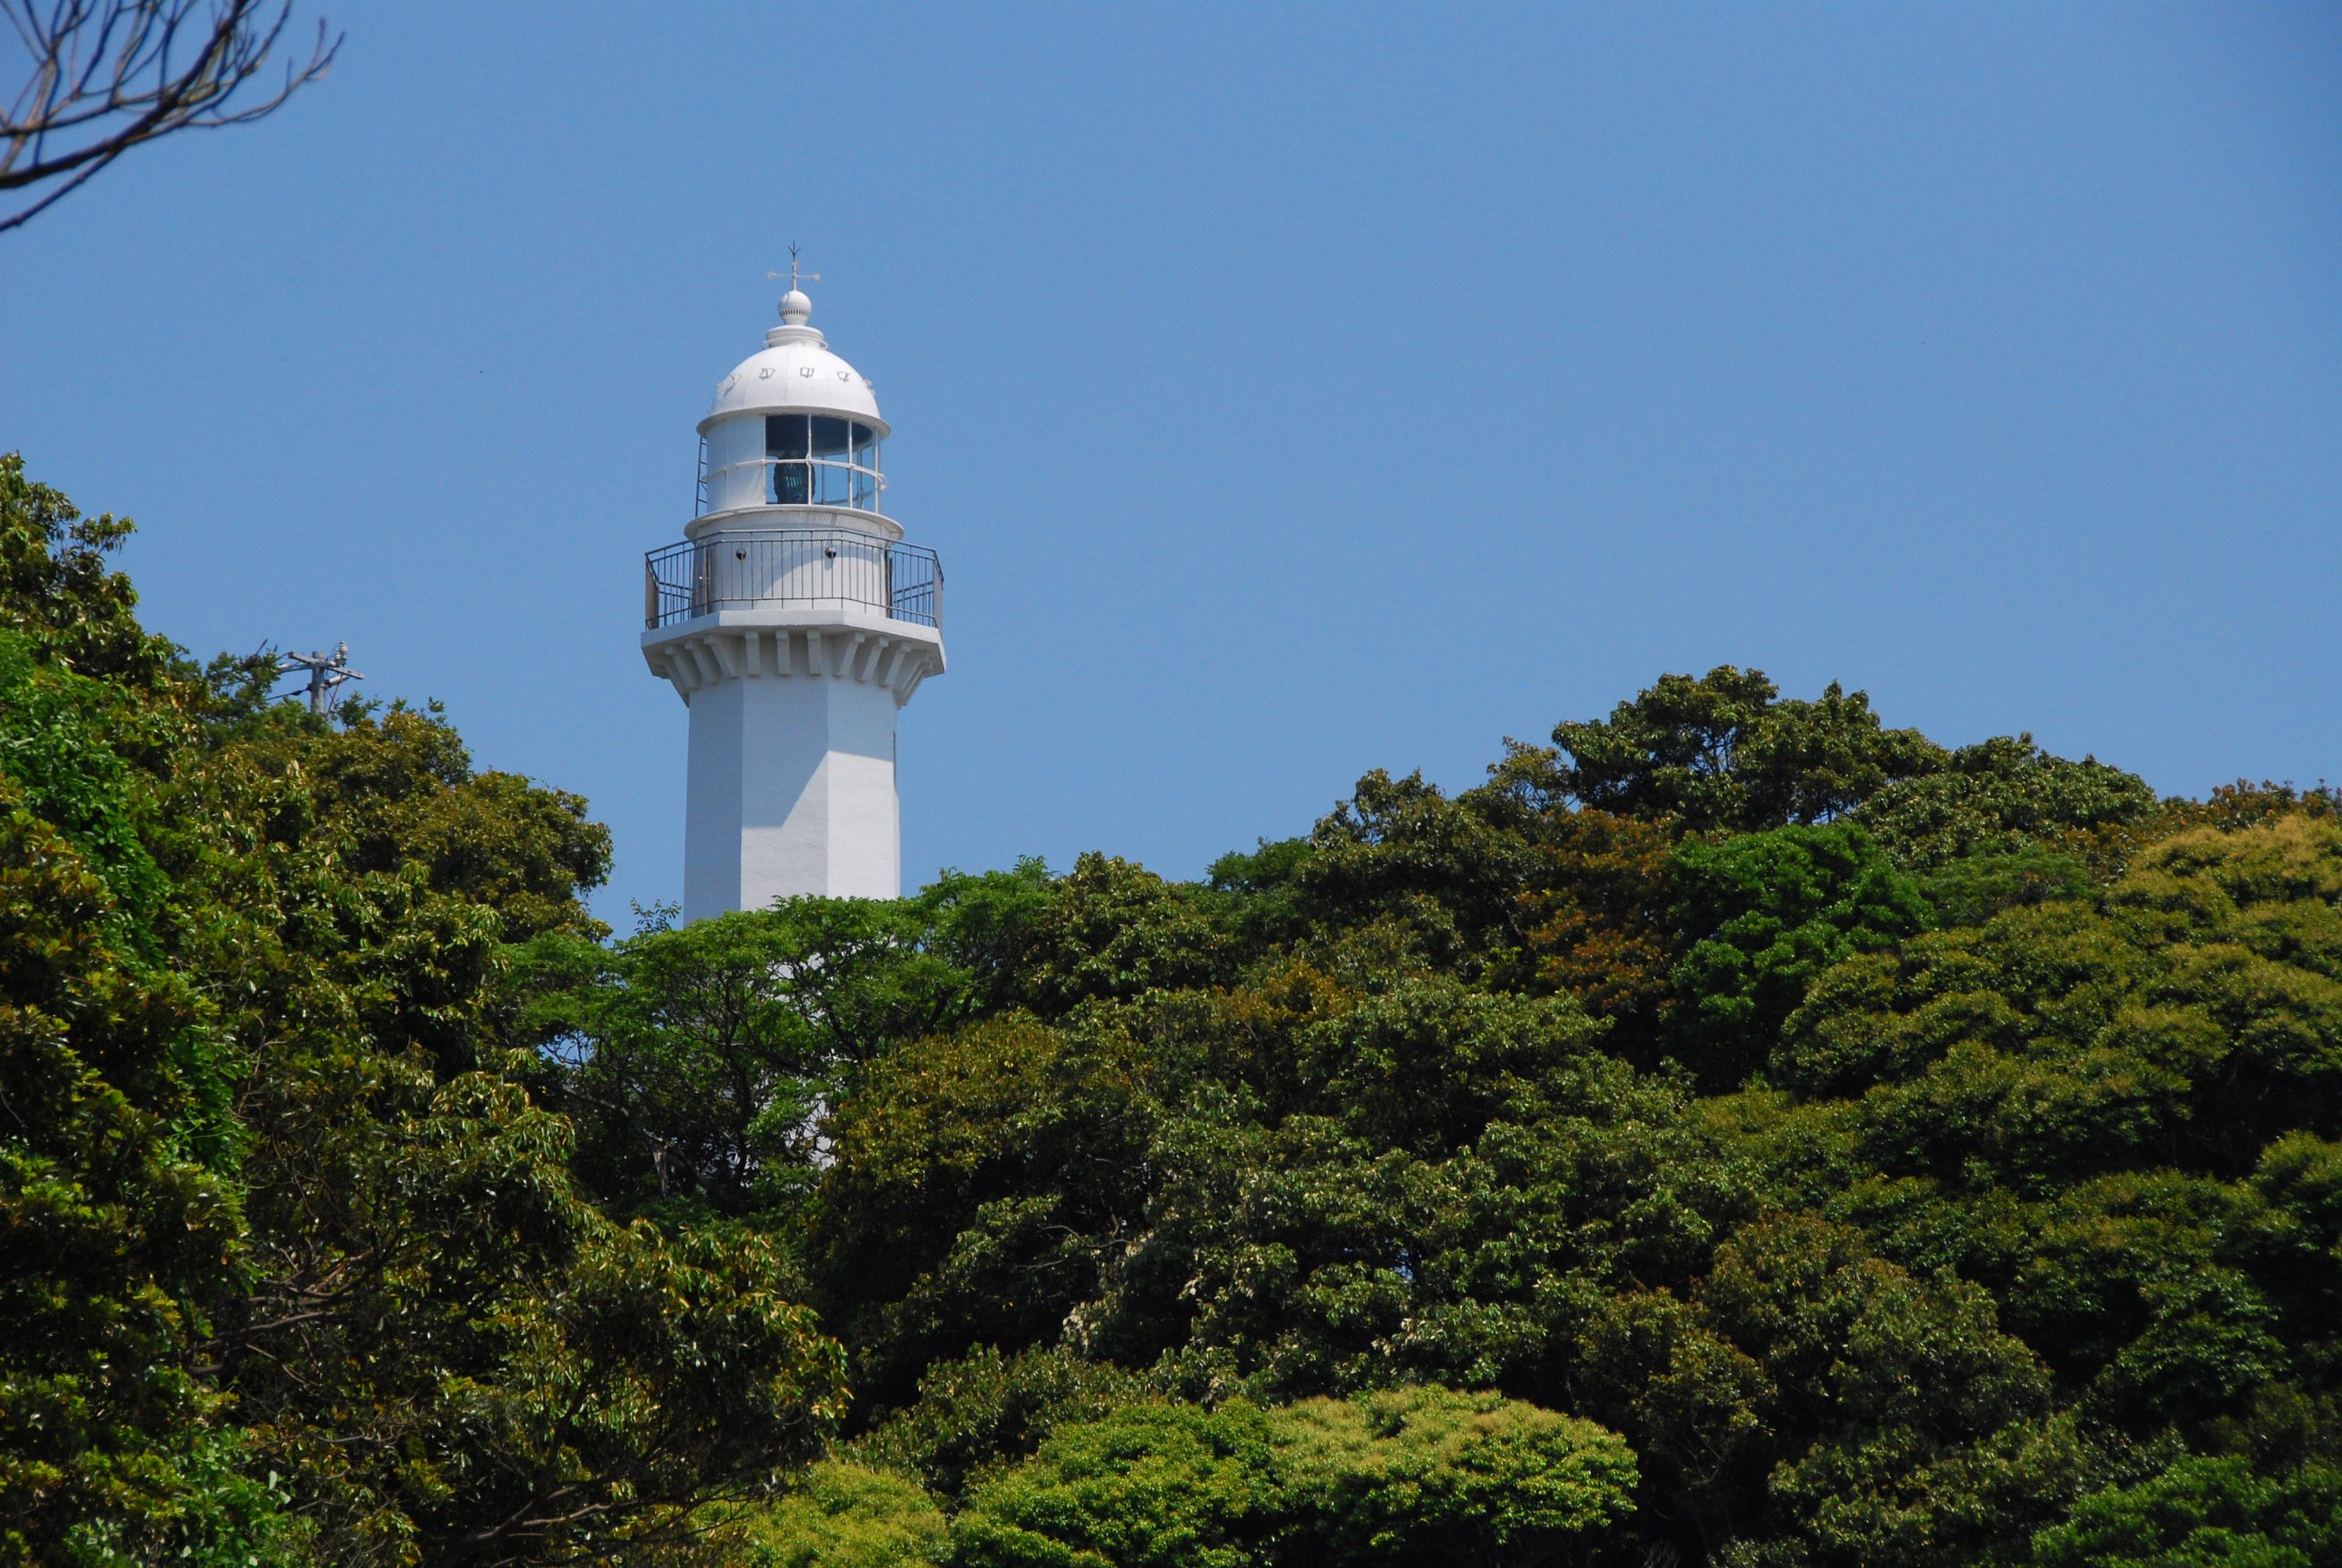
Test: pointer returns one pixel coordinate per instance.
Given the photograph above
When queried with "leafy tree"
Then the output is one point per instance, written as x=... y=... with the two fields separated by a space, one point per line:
x=2187 y=1018
x=1719 y=752
x=1415 y=1474
x=2203 y=1511
x=2244 y=804
x=59 y=591
x=2004 y=796
x=1113 y=930
x=119 y=1238
x=1427 y=1065
x=1601 y=920
x=72 y=745
x=1306 y=1260
x=1445 y=873
x=1266 y=885
x=1971 y=890
x=985 y=1408
x=554 y=1378
x=117 y=1195
x=298 y=1268
x=1885 y=1146
x=1670 y=753
x=1914 y=1429
x=1151 y=1486
x=396 y=788
x=1691 y=1402
x=1819 y=761
x=697 y=1061
x=1410 y=1474
x=978 y=1182
x=1762 y=917
x=844 y=1516
x=985 y=925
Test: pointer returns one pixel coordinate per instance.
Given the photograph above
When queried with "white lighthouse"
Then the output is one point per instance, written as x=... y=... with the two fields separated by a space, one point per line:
x=793 y=622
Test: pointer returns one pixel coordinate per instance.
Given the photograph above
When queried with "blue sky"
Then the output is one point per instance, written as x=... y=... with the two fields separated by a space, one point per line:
x=1289 y=392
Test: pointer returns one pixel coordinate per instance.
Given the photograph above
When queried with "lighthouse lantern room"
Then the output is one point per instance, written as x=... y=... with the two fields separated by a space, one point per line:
x=793 y=622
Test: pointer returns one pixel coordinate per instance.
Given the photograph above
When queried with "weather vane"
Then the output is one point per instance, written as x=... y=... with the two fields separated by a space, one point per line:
x=793 y=275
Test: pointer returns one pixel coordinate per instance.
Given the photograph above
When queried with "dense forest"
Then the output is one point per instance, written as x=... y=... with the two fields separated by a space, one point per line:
x=1736 y=1133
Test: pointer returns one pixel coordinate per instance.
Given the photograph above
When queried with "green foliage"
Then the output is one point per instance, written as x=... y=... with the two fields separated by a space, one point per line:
x=1427 y=1065
x=219 y=1513
x=1441 y=875
x=1601 y=921
x=1407 y=1475
x=1822 y=1148
x=119 y=1238
x=548 y=1365
x=1913 y=1430
x=1266 y=885
x=296 y=1271
x=1111 y=931
x=985 y=1408
x=985 y=926
x=394 y=793
x=1718 y=751
x=1970 y=891
x=57 y=588
x=844 y=1516
x=1150 y=1486
x=1764 y=914
x=2004 y=1166
x=695 y=1061
x=62 y=739
x=697 y=1058
x=971 y=1181
x=2203 y=1511
x=1414 y=1474
x=2001 y=797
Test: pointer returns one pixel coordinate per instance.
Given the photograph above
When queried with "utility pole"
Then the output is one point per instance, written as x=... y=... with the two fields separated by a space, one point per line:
x=326 y=672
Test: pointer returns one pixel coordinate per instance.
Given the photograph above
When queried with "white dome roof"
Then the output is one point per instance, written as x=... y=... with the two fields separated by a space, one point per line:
x=796 y=372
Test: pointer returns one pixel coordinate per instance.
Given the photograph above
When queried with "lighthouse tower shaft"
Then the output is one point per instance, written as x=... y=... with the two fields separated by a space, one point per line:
x=792 y=759
x=795 y=623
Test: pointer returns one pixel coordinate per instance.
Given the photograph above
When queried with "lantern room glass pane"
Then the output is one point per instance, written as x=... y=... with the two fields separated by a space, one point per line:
x=821 y=459
x=786 y=435
x=865 y=462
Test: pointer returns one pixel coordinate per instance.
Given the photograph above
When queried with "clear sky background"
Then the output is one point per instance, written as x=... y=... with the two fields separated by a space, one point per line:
x=1289 y=392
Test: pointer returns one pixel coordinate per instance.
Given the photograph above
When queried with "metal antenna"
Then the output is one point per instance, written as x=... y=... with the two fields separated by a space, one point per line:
x=326 y=672
x=809 y=278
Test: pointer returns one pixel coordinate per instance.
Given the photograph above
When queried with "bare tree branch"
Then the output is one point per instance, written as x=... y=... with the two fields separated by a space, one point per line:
x=102 y=76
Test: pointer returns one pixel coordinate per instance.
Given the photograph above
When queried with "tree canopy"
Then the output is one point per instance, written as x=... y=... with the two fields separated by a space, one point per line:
x=1738 y=1133
x=297 y=1267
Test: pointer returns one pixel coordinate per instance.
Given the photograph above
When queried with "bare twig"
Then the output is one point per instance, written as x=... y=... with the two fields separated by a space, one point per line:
x=102 y=76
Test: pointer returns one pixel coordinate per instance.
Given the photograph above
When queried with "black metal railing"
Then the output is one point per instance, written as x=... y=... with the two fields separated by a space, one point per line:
x=784 y=567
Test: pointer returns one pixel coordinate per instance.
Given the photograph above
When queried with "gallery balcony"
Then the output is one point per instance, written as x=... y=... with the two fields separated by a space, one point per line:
x=805 y=569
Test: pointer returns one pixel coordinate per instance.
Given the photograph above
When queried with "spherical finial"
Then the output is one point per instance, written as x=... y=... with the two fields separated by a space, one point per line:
x=795 y=308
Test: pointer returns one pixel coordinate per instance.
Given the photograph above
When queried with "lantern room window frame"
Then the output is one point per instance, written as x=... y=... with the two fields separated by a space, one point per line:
x=812 y=460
